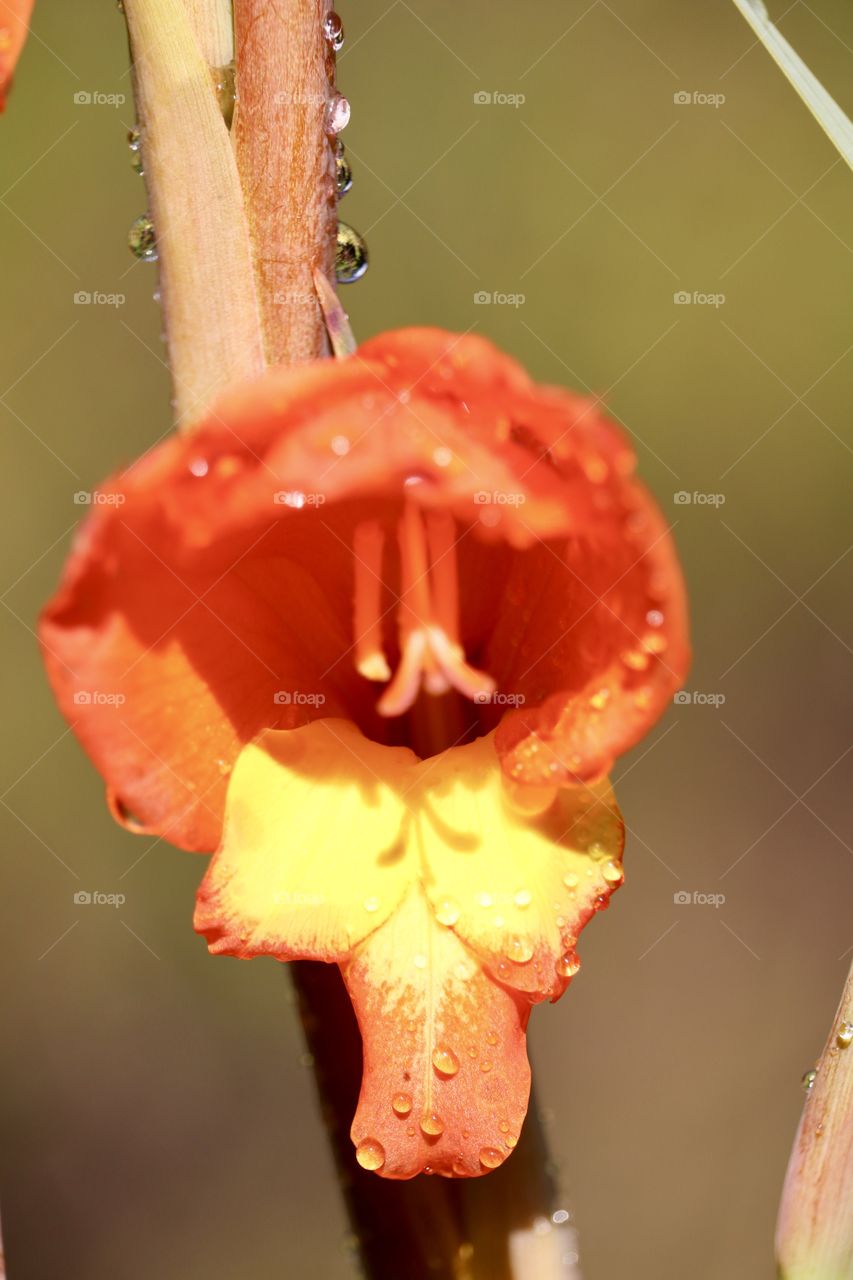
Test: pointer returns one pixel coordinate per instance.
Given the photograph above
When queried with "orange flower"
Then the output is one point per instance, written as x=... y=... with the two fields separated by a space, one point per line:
x=392 y=618
x=14 y=25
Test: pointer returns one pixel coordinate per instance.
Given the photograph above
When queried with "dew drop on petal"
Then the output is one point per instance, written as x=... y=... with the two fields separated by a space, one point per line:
x=520 y=950
x=401 y=1104
x=432 y=1124
x=635 y=659
x=485 y=1065
x=612 y=872
x=845 y=1035
x=370 y=1154
x=491 y=1037
x=490 y=1157
x=445 y=1061
x=504 y=1126
x=447 y=912
x=570 y=880
x=371 y=904
x=523 y=898
x=808 y=1080
x=484 y=899
x=343 y=171
x=511 y=1140
x=568 y=964
x=654 y=618
x=599 y=700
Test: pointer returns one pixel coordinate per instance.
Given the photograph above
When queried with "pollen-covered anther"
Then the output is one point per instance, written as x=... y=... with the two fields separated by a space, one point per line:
x=431 y=655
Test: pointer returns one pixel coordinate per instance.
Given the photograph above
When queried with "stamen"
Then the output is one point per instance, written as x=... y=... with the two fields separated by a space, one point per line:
x=428 y=616
x=370 y=660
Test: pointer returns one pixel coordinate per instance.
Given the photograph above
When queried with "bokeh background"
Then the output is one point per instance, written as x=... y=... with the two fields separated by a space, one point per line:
x=157 y=1116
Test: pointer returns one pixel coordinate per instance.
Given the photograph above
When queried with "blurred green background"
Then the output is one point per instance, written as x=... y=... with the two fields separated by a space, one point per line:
x=156 y=1117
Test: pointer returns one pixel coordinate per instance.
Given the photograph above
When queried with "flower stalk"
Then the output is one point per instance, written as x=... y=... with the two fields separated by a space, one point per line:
x=814 y=1234
x=206 y=279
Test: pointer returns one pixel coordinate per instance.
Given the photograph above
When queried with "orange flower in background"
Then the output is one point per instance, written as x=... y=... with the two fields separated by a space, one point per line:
x=375 y=633
x=14 y=25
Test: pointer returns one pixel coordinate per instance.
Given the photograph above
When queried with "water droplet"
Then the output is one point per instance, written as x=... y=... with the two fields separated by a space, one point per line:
x=142 y=240
x=410 y=1132
x=559 y=1216
x=420 y=961
x=845 y=1035
x=442 y=456
x=504 y=1126
x=343 y=172
x=445 y=1061
x=484 y=899
x=570 y=880
x=371 y=904
x=654 y=642
x=643 y=699
x=523 y=898
x=351 y=259
x=568 y=965
x=370 y=1154
x=490 y=1157
x=485 y=1065
x=333 y=30
x=401 y=1104
x=519 y=949
x=432 y=1125
x=447 y=912
x=491 y=1037
x=460 y=1169
x=808 y=1080
x=224 y=84
x=337 y=114
x=340 y=446
x=654 y=618
x=599 y=700
x=511 y=1141
x=224 y=767
x=134 y=141
x=635 y=659
x=612 y=872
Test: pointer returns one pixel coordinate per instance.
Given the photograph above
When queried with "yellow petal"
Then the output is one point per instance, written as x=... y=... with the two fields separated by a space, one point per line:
x=517 y=886
x=314 y=853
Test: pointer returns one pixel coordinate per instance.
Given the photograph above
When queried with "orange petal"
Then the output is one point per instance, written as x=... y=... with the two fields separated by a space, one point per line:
x=14 y=25
x=446 y=1079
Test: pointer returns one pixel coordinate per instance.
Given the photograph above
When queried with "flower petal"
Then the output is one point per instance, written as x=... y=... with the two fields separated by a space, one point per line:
x=446 y=1079
x=517 y=886
x=14 y=25
x=314 y=853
